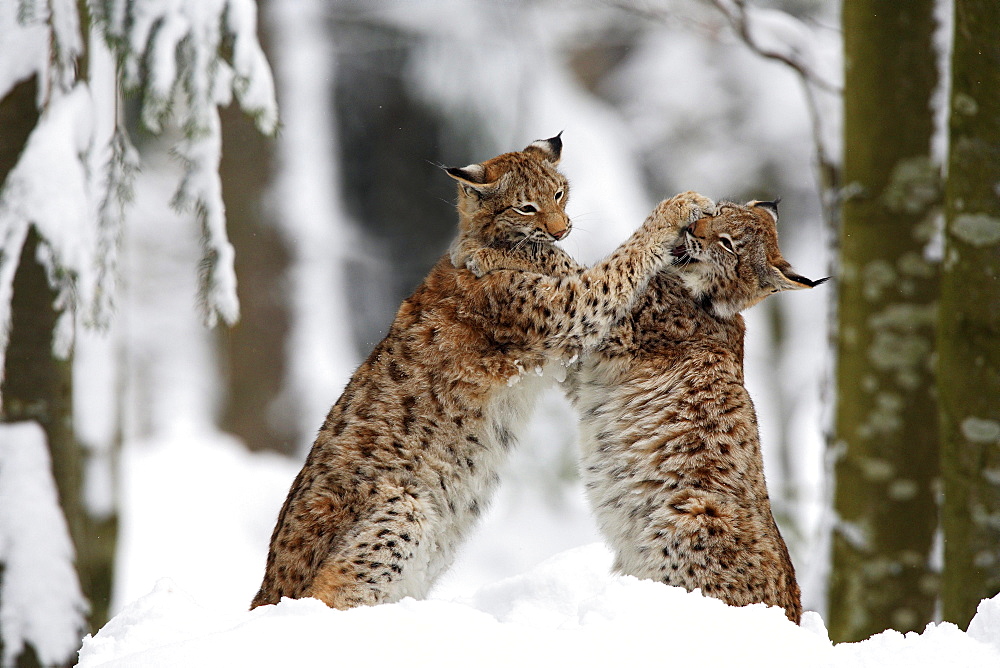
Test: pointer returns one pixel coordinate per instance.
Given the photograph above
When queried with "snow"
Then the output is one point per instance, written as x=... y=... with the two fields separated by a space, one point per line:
x=50 y=189
x=25 y=49
x=566 y=611
x=42 y=604
x=200 y=508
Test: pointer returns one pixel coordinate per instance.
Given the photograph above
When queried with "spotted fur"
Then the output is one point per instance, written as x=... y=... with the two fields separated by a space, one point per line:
x=671 y=449
x=408 y=457
x=671 y=455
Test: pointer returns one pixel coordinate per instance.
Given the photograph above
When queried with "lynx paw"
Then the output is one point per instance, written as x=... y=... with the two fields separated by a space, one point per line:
x=671 y=215
x=462 y=253
x=473 y=264
x=692 y=206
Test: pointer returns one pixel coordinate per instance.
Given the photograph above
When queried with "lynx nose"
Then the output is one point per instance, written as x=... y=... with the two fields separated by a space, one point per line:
x=698 y=228
x=558 y=228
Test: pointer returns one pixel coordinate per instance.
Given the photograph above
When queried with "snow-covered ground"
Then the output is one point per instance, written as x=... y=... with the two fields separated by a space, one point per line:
x=567 y=611
x=200 y=509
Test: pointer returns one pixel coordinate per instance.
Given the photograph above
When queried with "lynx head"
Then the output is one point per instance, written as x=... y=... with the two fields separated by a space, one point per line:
x=514 y=197
x=731 y=261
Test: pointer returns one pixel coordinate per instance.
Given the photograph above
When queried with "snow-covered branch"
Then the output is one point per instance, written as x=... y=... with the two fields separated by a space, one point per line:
x=779 y=36
x=185 y=59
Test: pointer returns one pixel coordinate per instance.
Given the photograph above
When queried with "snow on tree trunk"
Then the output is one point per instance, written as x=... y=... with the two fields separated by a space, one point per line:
x=41 y=605
x=885 y=436
x=969 y=324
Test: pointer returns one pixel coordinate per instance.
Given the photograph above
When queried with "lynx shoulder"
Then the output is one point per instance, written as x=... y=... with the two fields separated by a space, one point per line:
x=408 y=457
x=671 y=455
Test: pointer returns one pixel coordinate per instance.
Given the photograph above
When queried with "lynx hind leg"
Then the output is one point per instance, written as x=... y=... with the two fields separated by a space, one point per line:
x=713 y=544
x=374 y=565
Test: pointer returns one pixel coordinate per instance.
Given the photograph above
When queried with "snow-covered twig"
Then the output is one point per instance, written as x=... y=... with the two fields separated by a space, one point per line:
x=776 y=35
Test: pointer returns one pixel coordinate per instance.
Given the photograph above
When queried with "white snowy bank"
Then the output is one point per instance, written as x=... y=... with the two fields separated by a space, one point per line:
x=567 y=611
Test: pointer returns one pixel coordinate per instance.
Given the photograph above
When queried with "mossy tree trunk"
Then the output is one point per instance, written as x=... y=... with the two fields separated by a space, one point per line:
x=969 y=341
x=885 y=430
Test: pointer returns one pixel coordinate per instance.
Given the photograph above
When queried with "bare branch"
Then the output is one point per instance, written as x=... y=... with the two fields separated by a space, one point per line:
x=736 y=12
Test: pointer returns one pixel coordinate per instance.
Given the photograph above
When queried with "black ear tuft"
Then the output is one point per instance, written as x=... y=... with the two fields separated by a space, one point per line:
x=472 y=174
x=807 y=281
x=551 y=148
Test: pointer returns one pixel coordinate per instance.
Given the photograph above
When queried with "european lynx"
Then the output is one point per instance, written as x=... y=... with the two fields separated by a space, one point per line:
x=407 y=458
x=670 y=448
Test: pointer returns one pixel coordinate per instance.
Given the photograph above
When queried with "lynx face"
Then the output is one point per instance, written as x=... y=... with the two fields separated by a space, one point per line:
x=516 y=197
x=731 y=260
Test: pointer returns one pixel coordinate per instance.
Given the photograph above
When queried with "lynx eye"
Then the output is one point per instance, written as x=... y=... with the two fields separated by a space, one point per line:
x=727 y=243
x=526 y=209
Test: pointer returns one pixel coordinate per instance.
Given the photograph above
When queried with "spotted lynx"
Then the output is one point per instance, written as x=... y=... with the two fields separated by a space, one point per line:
x=407 y=458
x=671 y=456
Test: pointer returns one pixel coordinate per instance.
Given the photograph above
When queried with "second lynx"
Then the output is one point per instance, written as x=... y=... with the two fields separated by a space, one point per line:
x=671 y=450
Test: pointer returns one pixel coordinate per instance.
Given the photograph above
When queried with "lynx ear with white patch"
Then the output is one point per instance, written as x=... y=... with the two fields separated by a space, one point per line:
x=472 y=176
x=550 y=149
x=786 y=279
x=771 y=207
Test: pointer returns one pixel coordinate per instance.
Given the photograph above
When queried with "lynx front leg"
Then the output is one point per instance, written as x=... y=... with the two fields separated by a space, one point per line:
x=485 y=260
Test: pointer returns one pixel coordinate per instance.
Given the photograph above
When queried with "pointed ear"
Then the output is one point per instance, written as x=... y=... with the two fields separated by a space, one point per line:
x=472 y=176
x=786 y=279
x=550 y=149
x=771 y=207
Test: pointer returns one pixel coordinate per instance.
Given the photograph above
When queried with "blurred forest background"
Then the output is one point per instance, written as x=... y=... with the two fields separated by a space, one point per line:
x=877 y=123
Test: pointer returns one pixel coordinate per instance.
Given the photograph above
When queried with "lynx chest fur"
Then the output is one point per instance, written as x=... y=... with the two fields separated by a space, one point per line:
x=671 y=455
x=408 y=457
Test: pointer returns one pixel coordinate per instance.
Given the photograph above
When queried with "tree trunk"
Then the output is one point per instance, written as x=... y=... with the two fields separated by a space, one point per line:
x=38 y=386
x=18 y=117
x=885 y=430
x=969 y=339
x=255 y=348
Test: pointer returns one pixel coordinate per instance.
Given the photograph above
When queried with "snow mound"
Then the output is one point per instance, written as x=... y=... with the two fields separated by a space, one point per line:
x=567 y=611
